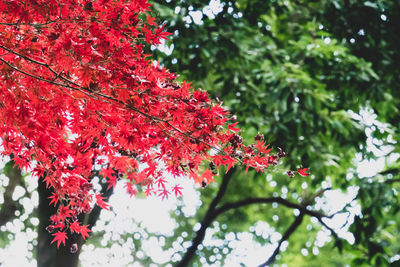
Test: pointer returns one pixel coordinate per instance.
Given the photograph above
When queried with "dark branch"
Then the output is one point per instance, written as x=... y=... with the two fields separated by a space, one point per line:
x=335 y=235
x=260 y=200
x=213 y=212
x=296 y=223
x=393 y=171
x=392 y=181
x=207 y=220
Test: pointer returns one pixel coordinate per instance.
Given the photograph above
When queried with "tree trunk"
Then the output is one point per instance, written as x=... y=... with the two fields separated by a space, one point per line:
x=9 y=206
x=47 y=254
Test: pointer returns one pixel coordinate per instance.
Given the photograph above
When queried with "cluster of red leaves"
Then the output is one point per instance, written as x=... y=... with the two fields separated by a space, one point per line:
x=79 y=94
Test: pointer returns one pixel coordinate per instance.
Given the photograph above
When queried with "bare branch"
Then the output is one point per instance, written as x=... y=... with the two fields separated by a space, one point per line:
x=260 y=200
x=207 y=220
x=213 y=213
x=393 y=171
x=296 y=223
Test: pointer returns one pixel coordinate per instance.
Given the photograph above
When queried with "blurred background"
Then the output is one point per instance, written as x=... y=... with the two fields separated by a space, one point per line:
x=321 y=80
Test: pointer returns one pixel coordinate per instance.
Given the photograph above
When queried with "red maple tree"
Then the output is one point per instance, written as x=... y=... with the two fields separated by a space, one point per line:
x=78 y=94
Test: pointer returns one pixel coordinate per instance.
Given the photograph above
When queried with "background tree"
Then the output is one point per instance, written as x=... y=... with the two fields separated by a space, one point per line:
x=301 y=71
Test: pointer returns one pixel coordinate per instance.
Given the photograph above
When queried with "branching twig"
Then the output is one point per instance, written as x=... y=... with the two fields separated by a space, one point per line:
x=213 y=213
x=260 y=200
x=90 y=93
x=208 y=219
x=296 y=223
x=335 y=235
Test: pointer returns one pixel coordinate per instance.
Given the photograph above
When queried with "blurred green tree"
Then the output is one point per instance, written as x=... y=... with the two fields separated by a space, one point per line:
x=319 y=78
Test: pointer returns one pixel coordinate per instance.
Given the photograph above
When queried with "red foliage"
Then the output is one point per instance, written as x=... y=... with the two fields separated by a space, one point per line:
x=302 y=171
x=59 y=237
x=78 y=93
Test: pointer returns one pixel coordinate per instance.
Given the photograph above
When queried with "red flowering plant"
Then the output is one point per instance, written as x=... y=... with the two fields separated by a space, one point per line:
x=78 y=92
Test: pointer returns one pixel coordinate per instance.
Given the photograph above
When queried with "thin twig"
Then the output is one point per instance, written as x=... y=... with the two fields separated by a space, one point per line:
x=260 y=200
x=90 y=93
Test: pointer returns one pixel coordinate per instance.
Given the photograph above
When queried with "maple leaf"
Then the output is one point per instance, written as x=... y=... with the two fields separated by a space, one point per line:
x=164 y=194
x=60 y=225
x=177 y=190
x=48 y=180
x=207 y=176
x=101 y=203
x=161 y=182
x=261 y=148
x=148 y=191
x=54 y=218
x=38 y=171
x=111 y=181
x=59 y=237
x=302 y=171
x=22 y=162
x=232 y=127
x=54 y=199
x=84 y=231
x=80 y=229
x=230 y=162
x=75 y=227
x=129 y=189
x=63 y=212
x=107 y=172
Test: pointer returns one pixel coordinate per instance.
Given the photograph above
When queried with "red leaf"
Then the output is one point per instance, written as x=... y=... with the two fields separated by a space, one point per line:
x=177 y=190
x=59 y=237
x=302 y=171
x=54 y=199
x=161 y=182
x=230 y=162
x=85 y=231
x=111 y=181
x=207 y=176
x=79 y=229
x=232 y=127
x=164 y=194
x=49 y=181
x=75 y=227
x=129 y=189
x=149 y=191
x=100 y=202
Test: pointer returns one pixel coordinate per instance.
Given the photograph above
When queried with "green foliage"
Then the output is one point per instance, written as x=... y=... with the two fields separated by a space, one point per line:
x=299 y=72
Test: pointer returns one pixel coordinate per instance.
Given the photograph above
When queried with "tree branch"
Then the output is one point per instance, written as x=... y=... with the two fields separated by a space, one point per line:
x=260 y=200
x=393 y=171
x=295 y=224
x=335 y=235
x=213 y=213
x=207 y=220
